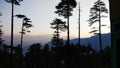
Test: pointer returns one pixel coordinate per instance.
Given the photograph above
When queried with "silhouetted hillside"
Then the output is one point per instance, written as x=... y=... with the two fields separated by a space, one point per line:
x=94 y=41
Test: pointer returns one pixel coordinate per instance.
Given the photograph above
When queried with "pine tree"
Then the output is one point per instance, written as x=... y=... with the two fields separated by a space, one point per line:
x=64 y=8
x=58 y=25
x=13 y=2
x=26 y=23
x=95 y=16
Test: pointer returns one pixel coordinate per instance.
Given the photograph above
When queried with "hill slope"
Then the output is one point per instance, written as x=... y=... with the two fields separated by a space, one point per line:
x=94 y=41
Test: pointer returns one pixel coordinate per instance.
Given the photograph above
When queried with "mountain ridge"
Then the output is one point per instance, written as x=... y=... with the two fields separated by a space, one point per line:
x=94 y=41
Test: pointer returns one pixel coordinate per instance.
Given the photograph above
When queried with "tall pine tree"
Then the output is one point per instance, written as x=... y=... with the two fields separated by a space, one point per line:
x=13 y=2
x=64 y=8
x=95 y=16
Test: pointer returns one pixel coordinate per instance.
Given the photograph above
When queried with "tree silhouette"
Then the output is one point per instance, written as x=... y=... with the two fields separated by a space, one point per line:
x=13 y=2
x=79 y=26
x=26 y=23
x=4 y=57
x=21 y=16
x=34 y=55
x=64 y=8
x=18 y=57
x=48 y=58
x=58 y=25
x=95 y=16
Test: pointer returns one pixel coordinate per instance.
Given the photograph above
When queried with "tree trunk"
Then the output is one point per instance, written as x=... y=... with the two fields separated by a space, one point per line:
x=12 y=20
x=67 y=64
x=79 y=27
x=68 y=36
x=21 y=44
x=21 y=36
x=57 y=35
x=100 y=38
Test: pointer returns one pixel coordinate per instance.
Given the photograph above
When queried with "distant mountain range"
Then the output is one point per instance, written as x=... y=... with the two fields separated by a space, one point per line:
x=94 y=41
x=28 y=40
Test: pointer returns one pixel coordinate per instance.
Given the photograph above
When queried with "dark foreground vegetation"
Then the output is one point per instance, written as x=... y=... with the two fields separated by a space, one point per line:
x=73 y=56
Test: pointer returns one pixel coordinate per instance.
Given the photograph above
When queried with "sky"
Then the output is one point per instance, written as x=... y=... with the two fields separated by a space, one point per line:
x=41 y=13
